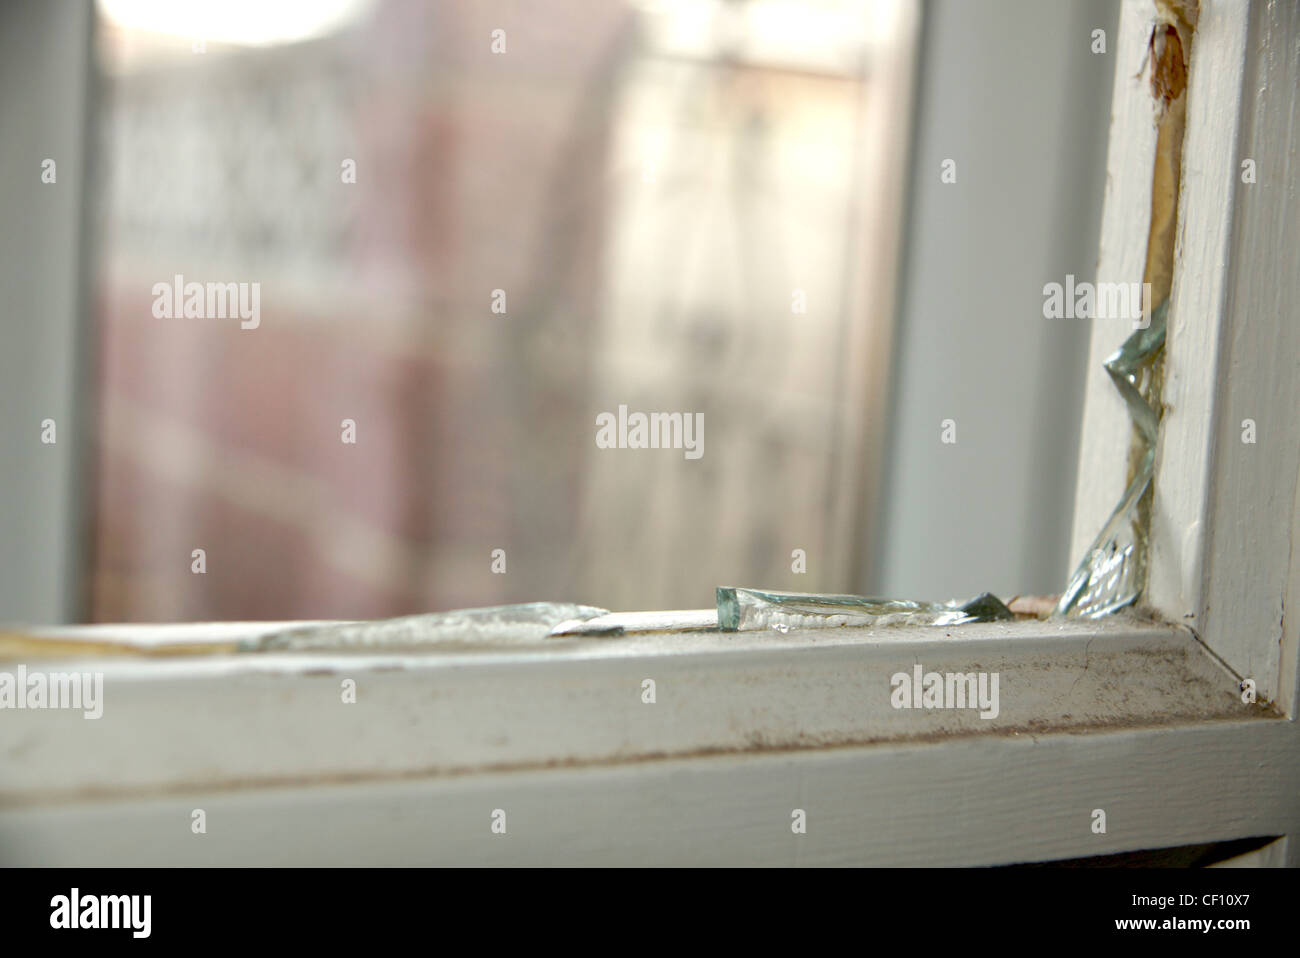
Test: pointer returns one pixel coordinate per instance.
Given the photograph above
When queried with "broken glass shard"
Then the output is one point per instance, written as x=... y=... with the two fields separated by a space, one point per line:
x=627 y=623
x=743 y=610
x=495 y=625
x=1112 y=573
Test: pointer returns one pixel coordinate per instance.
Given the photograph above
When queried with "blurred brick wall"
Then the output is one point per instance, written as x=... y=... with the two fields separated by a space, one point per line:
x=649 y=198
x=473 y=174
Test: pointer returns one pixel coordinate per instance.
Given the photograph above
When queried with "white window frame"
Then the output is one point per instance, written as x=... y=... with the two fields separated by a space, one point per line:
x=1225 y=518
x=1140 y=717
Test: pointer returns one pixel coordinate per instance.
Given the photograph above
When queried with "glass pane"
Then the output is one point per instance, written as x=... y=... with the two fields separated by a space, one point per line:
x=390 y=294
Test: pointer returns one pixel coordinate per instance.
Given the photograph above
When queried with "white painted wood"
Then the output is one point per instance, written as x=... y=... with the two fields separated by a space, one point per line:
x=1225 y=517
x=1225 y=523
x=47 y=367
x=1126 y=215
x=1197 y=316
x=975 y=801
x=256 y=718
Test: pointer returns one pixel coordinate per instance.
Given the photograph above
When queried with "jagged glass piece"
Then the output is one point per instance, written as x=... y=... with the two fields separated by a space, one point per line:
x=494 y=625
x=1113 y=572
x=743 y=610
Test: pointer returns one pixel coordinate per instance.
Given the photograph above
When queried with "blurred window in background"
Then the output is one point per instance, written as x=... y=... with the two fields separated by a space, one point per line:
x=474 y=228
